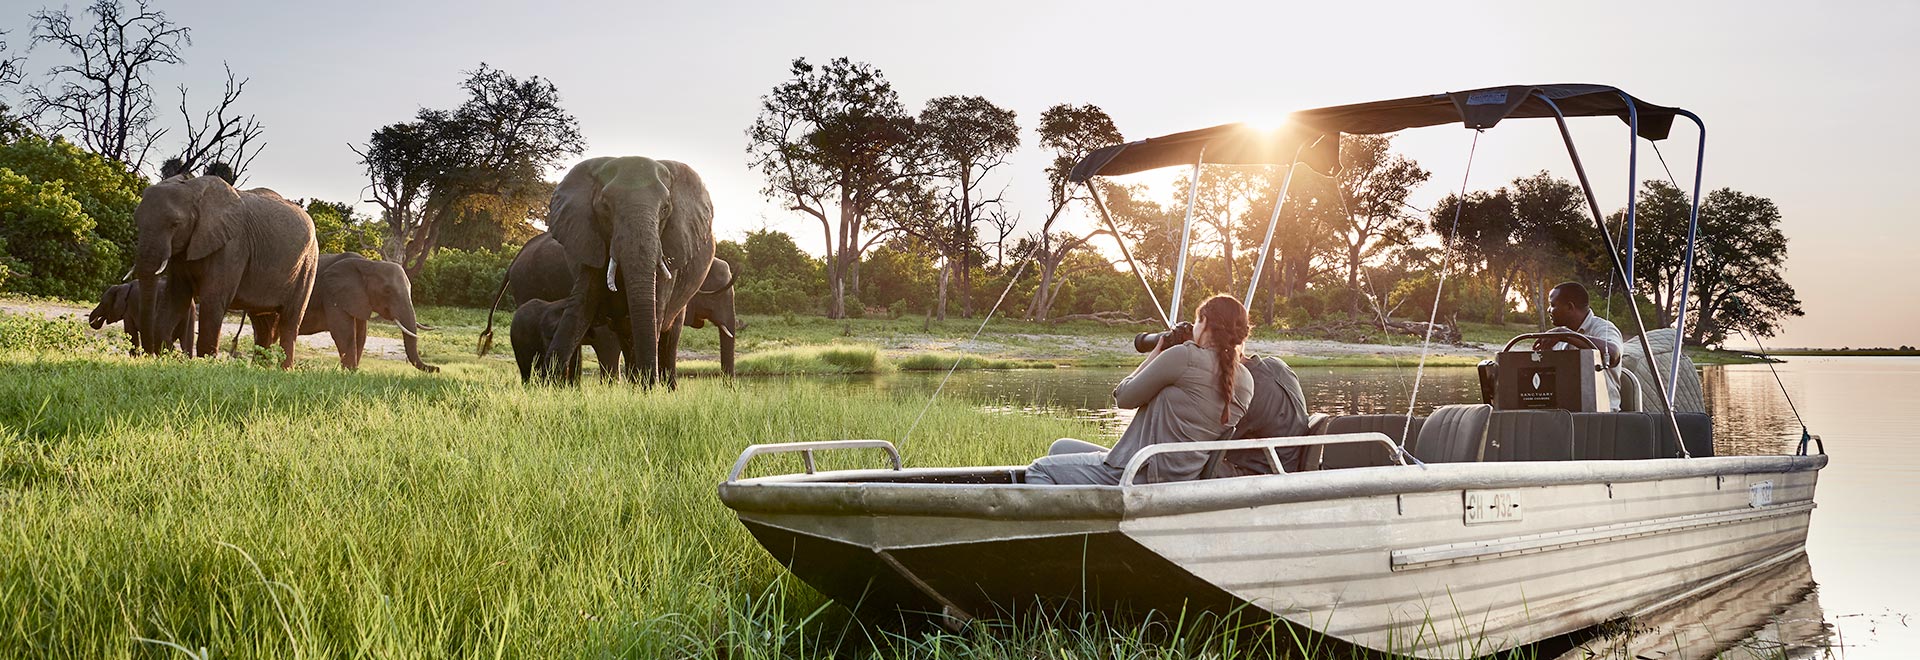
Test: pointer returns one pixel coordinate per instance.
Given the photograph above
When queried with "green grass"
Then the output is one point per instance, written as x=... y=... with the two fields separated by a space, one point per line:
x=256 y=513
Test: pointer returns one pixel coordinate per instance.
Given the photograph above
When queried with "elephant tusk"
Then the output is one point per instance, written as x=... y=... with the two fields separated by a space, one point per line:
x=162 y=270
x=611 y=264
x=724 y=330
x=127 y=276
x=664 y=271
x=403 y=329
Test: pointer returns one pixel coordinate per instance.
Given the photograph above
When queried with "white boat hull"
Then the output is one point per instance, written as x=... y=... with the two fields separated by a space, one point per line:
x=1385 y=558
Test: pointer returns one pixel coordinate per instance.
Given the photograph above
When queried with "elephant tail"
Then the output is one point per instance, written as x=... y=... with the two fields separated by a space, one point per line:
x=486 y=336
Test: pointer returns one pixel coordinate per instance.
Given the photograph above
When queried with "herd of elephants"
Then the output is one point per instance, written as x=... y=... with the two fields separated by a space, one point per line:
x=628 y=259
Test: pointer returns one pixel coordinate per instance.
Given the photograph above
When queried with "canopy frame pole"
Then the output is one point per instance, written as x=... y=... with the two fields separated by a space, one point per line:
x=1120 y=240
x=1619 y=268
x=1266 y=245
x=1186 y=237
x=1633 y=180
x=1686 y=268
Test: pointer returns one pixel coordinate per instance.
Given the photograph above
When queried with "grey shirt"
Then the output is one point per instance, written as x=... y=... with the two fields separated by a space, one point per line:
x=1177 y=397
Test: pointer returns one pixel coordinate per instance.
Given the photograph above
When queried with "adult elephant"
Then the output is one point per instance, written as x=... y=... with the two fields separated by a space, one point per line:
x=248 y=250
x=350 y=289
x=120 y=304
x=714 y=303
x=638 y=234
x=542 y=271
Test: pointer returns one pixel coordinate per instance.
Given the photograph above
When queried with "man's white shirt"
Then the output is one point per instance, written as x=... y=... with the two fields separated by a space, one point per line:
x=1599 y=330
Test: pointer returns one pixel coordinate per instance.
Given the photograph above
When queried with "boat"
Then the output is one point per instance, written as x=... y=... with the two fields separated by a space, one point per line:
x=1478 y=528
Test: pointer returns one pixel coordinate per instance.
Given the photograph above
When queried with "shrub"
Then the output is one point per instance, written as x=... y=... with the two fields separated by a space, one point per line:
x=34 y=334
x=462 y=278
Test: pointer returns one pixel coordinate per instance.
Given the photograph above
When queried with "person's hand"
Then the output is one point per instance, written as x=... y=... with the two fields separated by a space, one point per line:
x=1547 y=343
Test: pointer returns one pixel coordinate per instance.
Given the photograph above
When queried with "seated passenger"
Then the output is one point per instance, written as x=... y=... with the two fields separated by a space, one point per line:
x=1278 y=410
x=1187 y=392
x=1568 y=304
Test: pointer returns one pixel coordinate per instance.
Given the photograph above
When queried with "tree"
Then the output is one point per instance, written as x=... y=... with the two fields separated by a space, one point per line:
x=1219 y=206
x=966 y=137
x=835 y=138
x=1482 y=231
x=773 y=275
x=66 y=217
x=1303 y=238
x=1375 y=184
x=221 y=136
x=1660 y=245
x=338 y=227
x=1069 y=132
x=1737 y=281
x=103 y=101
x=487 y=159
x=1555 y=237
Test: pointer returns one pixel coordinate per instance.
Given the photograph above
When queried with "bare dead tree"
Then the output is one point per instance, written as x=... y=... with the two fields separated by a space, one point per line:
x=221 y=136
x=103 y=100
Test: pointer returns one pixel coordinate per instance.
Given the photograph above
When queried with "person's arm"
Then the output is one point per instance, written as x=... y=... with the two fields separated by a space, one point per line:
x=1609 y=335
x=1163 y=368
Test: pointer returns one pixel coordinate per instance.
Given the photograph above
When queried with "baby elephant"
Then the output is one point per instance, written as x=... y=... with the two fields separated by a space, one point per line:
x=534 y=323
x=350 y=289
x=117 y=306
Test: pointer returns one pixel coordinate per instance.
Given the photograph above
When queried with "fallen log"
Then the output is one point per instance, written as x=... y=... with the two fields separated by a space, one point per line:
x=1106 y=318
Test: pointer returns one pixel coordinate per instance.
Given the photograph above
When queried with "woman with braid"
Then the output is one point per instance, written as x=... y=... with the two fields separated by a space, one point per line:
x=1188 y=392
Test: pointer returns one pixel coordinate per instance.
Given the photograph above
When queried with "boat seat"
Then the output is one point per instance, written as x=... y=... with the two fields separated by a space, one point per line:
x=1529 y=435
x=1310 y=454
x=1333 y=457
x=1696 y=429
x=1453 y=434
x=1614 y=436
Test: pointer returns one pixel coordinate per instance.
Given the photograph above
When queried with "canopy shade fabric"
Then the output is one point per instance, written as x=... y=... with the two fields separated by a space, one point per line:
x=1318 y=129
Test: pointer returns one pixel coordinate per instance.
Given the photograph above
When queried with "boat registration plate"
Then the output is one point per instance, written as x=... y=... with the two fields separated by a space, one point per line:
x=1760 y=494
x=1491 y=506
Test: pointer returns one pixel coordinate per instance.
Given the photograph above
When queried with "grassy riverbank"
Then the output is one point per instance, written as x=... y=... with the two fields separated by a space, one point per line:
x=254 y=513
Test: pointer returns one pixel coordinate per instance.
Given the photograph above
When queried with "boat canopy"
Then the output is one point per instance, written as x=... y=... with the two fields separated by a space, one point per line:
x=1313 y=135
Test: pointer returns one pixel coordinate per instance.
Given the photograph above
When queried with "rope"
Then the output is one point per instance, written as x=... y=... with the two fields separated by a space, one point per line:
x=1804 y=434
x=1017 y=271
x=1433 y=315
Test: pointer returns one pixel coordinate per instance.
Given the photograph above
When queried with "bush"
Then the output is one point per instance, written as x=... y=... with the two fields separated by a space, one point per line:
x=765 y=296
x=33 y=334
x=460 y=278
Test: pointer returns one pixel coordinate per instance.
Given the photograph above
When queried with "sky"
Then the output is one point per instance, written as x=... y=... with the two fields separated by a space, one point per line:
x=1805 y=103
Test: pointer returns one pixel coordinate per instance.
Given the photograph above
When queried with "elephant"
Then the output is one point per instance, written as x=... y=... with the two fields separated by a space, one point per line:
x=119 y=304
x=638 y=234
x=541 y=272
x=535 y=322
x=249 y=250
x=714 y=303
x=349 y=289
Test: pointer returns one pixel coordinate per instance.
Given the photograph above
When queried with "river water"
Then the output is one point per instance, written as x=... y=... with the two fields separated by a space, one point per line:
x=1856 y=596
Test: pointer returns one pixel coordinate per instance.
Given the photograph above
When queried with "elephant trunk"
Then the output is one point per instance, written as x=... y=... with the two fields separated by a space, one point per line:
x=636 y=245
x=153 y=254
x=403 y=316
x=726 y=349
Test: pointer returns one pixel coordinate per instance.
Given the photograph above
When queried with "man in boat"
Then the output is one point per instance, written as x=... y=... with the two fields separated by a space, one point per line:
x=1187 y=390
x=1569 y=305
x=1279 y=410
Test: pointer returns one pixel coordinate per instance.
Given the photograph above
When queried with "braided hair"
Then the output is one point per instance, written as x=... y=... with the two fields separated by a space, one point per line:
x=1227 y=330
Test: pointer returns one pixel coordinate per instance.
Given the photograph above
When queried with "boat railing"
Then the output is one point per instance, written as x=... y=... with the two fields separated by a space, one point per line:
x=1140 y=458
x=806 y=449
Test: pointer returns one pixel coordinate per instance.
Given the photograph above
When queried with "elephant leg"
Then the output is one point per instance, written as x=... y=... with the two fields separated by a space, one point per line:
x=288 y=329
x=266 y=328
x=214 y=301
x=606 y=348
x=340 y=326
x=669 y=352
x=359 y=341
x=590 y=294
x=184 y=330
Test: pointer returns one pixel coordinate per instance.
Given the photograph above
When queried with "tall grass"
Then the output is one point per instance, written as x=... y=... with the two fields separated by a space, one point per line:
x=255 y=513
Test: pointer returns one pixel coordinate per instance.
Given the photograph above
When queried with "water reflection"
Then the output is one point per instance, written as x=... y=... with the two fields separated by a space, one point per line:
x=1772 y=614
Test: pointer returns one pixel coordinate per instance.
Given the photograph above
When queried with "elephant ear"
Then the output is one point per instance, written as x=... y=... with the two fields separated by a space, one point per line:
x=218 y=211
x=692 y=208
x=719 y=277
x=346 y=288
x=571 y=216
